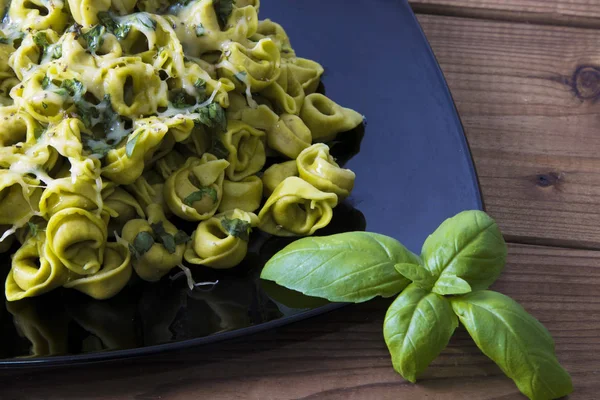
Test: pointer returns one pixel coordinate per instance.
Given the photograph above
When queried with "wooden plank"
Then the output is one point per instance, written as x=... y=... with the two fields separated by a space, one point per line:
x=527 y=96
x=581 y=13
x=342 y=355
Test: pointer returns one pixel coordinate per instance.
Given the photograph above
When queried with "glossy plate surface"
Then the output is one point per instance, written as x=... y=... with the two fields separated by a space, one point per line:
x=413 y=170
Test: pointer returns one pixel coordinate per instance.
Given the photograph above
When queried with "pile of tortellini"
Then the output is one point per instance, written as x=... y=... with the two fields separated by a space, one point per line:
x=122 y=119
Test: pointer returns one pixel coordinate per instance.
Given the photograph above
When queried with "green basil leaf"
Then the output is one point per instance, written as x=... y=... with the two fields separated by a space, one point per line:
x=200 y=86
x=73 y=87
x=76 y=29
x=119 y=30
x=516 y=341
x=181 y=237
x=290 y=298
x=200 y=31
x=213 y=116
x=168 y=242
x=94 y=38
x=237 y=228
x=199 y=195
x=219 y=150
x=41 y=40
x=417 y=327
x=146 y=21
x=97 y=147
x=108 y=117
x=178 y=99
x=164 y=237
x=142 y=243
x=38 y=132
x=451 y=285
x=418 y=274
x=57 y=51
x=45 y=82
x=4 y=40
x=469 y=246
x=33 y=229
x=347 y=267
x=223 y=9
x=86 y=111
x=130 y=146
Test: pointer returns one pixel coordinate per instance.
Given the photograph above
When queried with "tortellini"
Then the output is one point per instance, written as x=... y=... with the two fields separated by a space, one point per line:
x=307 y=72
x=152 y=257
x=246 y=150
x=194 y=192
x=121 y=207
x=287 y=93
x=17 y=127
x=127 y=121
x=222 y=241
x=135 y=89
x=262 y=117
x=64 y=193
x=296 y=208
x=276 y=174
x=149 y=190
x=245 y=195
x=111 y=278
x=274 y=31
x=38 y=14
x=289 y=136
x=326 y=119
x=76 y=238
x=85 y=12
x=319 y=168
x=19 y=198
x=256 y=67
x=32 y=272
x=125 y=164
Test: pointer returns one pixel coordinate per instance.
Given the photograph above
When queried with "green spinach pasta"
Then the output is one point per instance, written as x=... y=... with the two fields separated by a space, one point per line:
x=123 y=122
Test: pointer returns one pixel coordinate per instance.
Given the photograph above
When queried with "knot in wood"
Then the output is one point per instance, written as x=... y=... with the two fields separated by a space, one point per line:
x=586 y=82
x=547 y=180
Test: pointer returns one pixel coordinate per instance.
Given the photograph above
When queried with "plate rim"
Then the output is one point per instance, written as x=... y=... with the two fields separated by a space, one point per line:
x=145 y=351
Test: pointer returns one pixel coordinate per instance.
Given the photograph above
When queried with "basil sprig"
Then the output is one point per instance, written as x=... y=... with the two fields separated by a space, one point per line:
x=458 y=262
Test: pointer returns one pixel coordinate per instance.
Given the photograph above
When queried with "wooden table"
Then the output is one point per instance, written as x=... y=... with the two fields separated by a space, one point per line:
x=525 y=75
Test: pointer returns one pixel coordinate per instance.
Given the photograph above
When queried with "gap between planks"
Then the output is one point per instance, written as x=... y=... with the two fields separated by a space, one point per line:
x=552 y=244
x=504 y=15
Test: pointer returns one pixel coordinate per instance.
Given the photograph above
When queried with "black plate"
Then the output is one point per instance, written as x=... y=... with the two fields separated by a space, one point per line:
x=413 y=170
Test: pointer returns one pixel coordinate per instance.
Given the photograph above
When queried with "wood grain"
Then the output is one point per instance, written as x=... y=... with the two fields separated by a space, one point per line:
x=580 y=13
x=342 y=355
x=527 y=96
